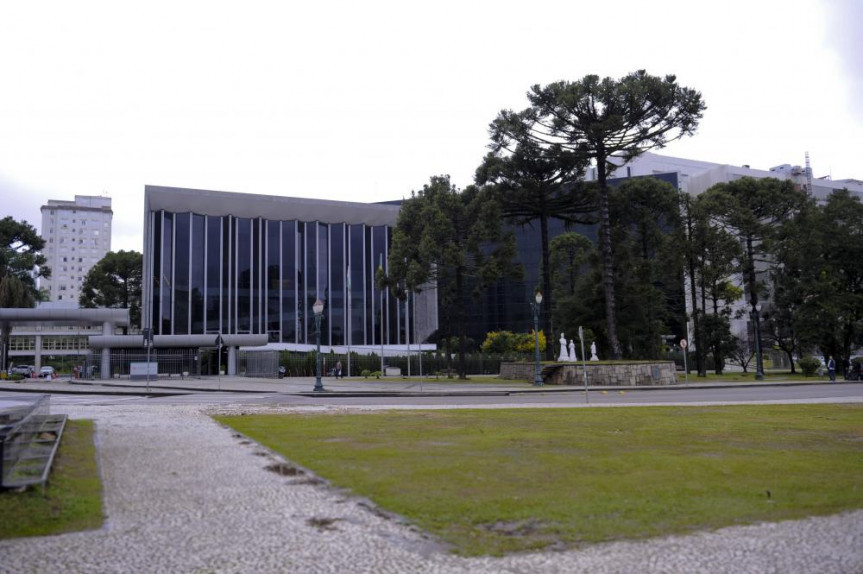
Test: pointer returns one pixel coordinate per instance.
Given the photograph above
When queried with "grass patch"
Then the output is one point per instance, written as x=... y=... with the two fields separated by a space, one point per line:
x=494 y=482
x=73 y=494
x=739 y=377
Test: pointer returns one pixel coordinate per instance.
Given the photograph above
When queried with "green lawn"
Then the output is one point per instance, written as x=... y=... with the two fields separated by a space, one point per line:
x=497 y=481
x=73 y=496
x=738 y=377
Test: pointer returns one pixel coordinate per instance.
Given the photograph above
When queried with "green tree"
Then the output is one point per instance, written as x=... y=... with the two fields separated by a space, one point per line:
x=456 y=239
x=819 y=276
x=536 y=183
x=692 y=224
x=717 y=261
x=793 y=323
x=752 y=212
x=646 y=227
x=115 y=282
x=569 y=253
x=607 y=121
x=21 y=263
x=573 y=259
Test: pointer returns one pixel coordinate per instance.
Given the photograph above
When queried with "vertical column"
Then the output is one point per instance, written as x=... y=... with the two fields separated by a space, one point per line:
x=37 y=351
x=232 y=360
x=107 y=329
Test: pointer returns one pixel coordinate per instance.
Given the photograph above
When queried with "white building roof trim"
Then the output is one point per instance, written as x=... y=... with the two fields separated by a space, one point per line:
x=273 y=207
x=65 y=316
x=176 y=341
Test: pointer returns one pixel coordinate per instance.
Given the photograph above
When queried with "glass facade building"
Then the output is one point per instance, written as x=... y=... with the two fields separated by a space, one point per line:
x=229 y=263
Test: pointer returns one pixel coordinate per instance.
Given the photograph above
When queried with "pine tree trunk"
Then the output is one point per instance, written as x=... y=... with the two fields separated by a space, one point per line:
x=547 y=321
x=607 y=259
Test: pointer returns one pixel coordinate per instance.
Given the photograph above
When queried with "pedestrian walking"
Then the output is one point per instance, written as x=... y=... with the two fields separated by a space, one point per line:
x=831 y=369
x=339 y=370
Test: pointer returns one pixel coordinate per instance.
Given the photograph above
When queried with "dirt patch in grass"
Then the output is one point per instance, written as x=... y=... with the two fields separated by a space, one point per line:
x=284 y=469
x=322 y=524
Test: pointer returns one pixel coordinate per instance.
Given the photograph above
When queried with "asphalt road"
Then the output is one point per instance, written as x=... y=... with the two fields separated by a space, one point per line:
x=818 y=393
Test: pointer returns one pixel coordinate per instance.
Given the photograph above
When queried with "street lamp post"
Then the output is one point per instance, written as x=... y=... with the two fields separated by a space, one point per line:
x=759 y=363
x=318 y=308
x=537 y=375
x=348 y=301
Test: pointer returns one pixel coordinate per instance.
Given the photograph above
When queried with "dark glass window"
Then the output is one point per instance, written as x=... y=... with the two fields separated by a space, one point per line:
x=256 y=313
x=289 y=282
x=302 y=330
x=167 y=272
x=337 y=284
x=357 y=287
x=311 y=289
x=156 y=279
x=379 y=256
x=182 y=223
x=198 y=272
x=214 y=272
x=369 y=266
x=244 y=274
x=273 y=286
x=228 y=289
x=323 y=288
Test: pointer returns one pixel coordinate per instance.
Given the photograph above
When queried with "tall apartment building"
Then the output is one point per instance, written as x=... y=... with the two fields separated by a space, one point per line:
x=77 y=235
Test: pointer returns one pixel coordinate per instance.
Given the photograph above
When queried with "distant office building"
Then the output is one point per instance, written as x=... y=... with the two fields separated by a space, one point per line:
x=696 y=177
x=243 y=264
x=77 y=235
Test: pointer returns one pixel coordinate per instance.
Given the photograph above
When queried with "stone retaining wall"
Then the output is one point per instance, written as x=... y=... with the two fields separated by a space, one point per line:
x=598 y=374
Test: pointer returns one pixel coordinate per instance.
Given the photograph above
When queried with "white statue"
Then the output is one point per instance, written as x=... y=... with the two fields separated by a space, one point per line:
x=564 y=355
x=593 y=356
x=572 y=356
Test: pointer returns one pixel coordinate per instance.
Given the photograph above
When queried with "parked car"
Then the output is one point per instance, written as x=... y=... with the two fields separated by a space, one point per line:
x=25 y=370
x=46 y=372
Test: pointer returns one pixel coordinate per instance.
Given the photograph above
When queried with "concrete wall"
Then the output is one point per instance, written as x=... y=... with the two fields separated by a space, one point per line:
x=598 y=374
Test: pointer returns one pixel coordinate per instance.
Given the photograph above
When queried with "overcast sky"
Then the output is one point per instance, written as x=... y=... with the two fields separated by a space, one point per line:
x=364 y=101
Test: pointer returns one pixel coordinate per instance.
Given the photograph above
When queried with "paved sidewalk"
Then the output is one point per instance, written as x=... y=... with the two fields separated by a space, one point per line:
x=207 y=503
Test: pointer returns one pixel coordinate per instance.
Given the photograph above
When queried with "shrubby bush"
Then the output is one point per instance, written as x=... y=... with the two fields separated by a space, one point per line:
x=506 y=342
x=809 y=366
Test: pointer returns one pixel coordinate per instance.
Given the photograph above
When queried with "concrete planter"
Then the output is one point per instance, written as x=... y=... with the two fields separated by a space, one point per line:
x=611 y=374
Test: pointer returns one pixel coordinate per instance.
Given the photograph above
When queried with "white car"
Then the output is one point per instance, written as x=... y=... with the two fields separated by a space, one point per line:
x=46 y=372
x=25 y=370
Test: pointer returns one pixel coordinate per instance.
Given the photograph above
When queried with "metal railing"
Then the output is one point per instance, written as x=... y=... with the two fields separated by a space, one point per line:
x=431 y=364
x=182 y=362
x=29 y=437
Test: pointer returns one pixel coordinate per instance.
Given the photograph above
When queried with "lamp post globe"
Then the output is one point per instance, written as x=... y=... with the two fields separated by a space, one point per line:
x=537 y=375
x=318 y=309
